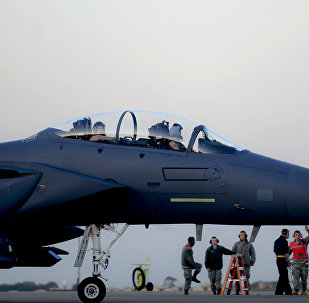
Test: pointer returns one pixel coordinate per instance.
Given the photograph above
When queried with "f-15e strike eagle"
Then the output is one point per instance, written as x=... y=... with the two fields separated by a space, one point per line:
x=134 y=168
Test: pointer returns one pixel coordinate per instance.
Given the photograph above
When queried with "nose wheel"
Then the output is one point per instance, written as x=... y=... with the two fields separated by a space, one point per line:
x=91 y=290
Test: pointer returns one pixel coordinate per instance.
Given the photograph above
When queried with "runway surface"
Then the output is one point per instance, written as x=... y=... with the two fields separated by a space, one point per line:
x=145 y=297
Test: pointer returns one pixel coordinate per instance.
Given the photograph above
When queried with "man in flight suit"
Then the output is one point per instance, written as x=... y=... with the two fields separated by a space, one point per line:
x=188 y=264
x=300 y=261
x=281 y=249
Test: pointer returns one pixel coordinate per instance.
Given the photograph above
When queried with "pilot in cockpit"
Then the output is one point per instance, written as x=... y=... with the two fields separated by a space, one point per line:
x=99 y=127
x=99 y=133
x=81 y=129
x=175 y=132
x=176 y=137
x=82 y=126
x=162 y=137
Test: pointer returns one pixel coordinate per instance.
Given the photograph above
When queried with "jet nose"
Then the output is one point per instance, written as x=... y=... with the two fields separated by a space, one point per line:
x=298 y=196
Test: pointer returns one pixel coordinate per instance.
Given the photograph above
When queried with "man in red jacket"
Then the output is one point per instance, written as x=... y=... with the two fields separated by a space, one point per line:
x=300 y=261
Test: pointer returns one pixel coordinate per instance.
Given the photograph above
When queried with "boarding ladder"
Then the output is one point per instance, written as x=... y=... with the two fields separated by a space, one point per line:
x=235 y=273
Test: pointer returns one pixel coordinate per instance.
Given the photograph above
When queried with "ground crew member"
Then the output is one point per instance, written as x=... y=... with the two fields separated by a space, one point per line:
x=300 y=261
x=246 y=249
x=214 y=263
x=188 y=264
x=281 y=249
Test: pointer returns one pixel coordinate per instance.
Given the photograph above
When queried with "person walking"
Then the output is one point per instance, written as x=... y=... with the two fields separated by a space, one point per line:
x=214 y=263
x=281 y=249
x=300 y=261
x=188 y=265
x=246 y=249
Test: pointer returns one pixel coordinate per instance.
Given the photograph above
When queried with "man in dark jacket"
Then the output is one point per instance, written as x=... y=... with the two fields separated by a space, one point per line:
x=214 y=263
x=188 y=264
x=281 y=249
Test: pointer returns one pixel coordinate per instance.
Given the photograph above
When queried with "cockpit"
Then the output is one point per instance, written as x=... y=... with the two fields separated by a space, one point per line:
x=146 y=129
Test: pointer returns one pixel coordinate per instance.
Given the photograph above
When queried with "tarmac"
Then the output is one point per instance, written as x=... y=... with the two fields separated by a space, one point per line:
x=145 y=297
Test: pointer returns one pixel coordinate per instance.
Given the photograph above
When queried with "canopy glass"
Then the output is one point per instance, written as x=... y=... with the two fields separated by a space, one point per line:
x=146 y=129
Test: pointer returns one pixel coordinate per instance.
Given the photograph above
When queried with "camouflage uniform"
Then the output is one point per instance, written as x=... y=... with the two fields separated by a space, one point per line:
x=188 y=264
x=188 y=274
x=215 y=276
x=247 y=251
x=300 y=269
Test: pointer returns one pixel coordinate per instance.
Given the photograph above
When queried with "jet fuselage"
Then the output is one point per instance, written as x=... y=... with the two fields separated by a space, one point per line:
x=140 y=185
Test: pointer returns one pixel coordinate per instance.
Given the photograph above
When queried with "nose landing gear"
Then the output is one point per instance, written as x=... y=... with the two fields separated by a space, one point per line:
x=92 y=289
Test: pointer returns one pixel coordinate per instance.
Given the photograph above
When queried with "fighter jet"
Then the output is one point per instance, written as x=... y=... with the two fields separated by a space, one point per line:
x=133 y=168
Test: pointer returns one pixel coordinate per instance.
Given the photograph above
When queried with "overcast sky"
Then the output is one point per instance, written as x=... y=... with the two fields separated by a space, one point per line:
x=239 y=67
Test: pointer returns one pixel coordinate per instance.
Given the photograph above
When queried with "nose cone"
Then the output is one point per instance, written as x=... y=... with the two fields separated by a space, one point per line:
x=298 y=196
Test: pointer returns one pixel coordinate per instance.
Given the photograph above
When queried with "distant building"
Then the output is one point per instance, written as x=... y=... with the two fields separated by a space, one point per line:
x=64 y=284
x=266 y=285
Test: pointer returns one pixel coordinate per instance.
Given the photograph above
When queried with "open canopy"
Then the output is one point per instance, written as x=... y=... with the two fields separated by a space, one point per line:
x=146 y=129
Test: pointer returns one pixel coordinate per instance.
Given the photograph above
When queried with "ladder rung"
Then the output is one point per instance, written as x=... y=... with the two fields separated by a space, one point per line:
x=232 y=275
x=240 y=267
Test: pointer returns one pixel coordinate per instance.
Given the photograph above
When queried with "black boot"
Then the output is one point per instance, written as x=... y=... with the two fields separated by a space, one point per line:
x=186 y=291
x=214 y=291
x=218 y=291
x=195 y=280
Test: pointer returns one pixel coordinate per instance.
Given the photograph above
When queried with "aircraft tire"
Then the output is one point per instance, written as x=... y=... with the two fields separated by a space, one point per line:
x=138 y=278
x=91 y=290
x=149 y=286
